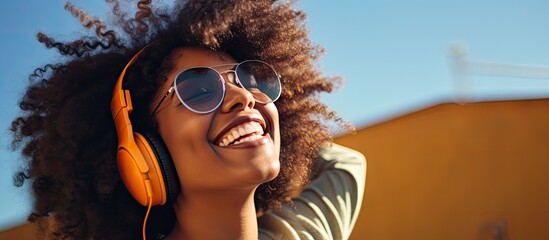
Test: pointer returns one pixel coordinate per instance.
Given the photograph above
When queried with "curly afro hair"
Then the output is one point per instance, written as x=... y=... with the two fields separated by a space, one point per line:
x=67 y=135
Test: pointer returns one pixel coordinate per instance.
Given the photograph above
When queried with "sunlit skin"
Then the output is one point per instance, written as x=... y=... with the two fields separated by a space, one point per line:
x=217 y=183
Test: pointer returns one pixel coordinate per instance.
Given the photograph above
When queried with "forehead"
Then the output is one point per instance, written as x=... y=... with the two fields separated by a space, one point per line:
x=187 y=57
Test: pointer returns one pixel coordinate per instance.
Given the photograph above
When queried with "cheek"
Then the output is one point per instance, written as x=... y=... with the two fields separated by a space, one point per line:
x=272 y=114
x=183 y=134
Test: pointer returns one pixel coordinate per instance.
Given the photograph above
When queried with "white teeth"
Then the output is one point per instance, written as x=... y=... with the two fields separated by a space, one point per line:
x=258 y=128
x=241 y=130
x=246 y=139
x=235 y=134
x=249 y=128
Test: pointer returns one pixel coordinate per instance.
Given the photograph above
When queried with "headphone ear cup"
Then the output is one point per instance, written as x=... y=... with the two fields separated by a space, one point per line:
x=164 y=160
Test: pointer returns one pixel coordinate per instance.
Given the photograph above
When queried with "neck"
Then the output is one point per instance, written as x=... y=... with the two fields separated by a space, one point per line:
x=216 y=215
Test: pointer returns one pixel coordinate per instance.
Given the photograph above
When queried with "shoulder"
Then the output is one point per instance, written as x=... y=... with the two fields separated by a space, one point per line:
x=342 y=158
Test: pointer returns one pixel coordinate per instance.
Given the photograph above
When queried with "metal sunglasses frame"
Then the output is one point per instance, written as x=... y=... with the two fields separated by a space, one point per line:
x=221 y=78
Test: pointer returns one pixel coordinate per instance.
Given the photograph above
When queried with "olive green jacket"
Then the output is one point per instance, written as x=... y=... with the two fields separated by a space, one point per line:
x=328 y=207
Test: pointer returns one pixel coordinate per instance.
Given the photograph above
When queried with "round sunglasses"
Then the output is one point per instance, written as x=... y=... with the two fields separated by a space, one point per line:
x=202 y=89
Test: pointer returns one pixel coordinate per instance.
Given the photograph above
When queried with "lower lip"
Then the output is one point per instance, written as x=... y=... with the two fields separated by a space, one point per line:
x=254 y=143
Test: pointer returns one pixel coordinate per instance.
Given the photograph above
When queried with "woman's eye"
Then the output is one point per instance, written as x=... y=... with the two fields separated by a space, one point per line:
x=199 y=94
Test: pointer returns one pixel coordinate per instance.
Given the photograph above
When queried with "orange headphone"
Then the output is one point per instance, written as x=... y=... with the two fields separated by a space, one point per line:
x=144 y=163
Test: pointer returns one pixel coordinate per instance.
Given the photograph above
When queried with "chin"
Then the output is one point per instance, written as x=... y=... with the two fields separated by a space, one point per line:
x=273 y=172
x=264 y=172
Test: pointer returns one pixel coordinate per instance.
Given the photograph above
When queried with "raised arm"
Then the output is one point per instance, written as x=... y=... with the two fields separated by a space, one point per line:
x=328 y=207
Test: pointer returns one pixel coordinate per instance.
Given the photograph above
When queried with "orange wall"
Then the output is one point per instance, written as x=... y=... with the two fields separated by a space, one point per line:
x=22 y=232
x=457 y=172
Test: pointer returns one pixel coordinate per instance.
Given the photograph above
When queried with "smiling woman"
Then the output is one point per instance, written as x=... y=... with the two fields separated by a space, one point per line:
x=217 y=123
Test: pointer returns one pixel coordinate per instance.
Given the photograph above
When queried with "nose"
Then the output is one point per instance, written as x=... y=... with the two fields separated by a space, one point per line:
x=236 y=98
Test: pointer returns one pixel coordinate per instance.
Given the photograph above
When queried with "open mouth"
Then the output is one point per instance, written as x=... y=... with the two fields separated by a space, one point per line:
x=248 y=131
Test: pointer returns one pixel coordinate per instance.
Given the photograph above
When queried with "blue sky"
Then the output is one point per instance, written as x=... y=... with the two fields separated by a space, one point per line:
x=392 y=54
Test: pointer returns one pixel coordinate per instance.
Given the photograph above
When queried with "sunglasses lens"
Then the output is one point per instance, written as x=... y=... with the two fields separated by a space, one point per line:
x=200 y=89
x=260 y=79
